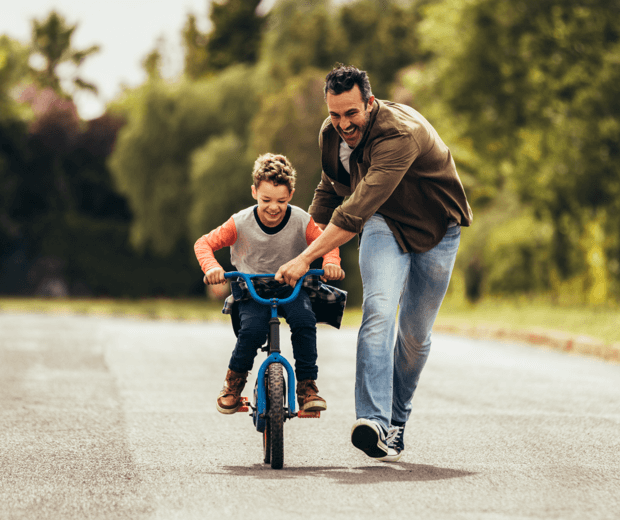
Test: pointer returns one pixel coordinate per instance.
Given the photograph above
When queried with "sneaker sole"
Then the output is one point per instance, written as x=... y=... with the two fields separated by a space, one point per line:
x=391 y=458
x=228 y=411
x=364 y=437
x=314 y=406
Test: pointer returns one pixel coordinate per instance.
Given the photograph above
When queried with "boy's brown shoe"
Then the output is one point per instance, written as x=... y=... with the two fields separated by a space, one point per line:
x=308 y=398
x=229 y=400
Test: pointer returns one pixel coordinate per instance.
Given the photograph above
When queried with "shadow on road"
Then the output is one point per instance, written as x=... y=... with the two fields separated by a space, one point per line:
x=402 y=472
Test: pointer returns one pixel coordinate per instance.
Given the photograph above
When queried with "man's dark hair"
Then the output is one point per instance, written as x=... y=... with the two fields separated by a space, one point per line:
x=343 y=78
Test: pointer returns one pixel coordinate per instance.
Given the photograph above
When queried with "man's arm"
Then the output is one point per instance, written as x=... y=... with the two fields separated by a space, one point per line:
x=331 y=238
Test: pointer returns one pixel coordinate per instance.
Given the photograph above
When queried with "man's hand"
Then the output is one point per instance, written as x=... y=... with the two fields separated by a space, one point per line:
x=215 y=276
x=332 y=272
x=292 y=271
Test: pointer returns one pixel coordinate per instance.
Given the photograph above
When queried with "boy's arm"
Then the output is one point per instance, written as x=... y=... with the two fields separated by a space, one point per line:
x=223 y=236
x=331 y=259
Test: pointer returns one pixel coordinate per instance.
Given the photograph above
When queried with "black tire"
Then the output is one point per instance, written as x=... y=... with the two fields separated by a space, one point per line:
x=275 y=422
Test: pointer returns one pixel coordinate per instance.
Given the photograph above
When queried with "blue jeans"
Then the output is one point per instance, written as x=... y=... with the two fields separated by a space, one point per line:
x=389 y=362
x=254 y=318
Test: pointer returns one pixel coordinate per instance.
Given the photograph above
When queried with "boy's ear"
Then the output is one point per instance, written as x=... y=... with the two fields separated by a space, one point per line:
x=254 y=194
x=291 y=194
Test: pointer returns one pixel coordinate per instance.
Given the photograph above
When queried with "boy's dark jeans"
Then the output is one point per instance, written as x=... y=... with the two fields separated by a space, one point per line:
x=254 y=319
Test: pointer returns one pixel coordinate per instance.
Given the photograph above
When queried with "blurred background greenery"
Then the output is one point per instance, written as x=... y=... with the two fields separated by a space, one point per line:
x=526 y=95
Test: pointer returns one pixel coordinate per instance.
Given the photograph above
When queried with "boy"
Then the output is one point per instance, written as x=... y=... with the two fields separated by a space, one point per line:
x=261 y=238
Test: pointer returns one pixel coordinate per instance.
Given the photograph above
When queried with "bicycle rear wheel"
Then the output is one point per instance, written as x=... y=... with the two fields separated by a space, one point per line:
x=275 y=422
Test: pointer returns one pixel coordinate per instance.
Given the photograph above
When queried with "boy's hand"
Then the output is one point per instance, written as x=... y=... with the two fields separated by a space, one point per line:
x=332 y=272
x=215 y=276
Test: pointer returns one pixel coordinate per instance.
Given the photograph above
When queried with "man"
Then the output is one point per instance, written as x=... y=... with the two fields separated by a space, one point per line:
x=407 y=201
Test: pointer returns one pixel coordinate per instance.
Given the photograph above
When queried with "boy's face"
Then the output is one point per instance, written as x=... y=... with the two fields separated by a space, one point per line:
x=272 y=201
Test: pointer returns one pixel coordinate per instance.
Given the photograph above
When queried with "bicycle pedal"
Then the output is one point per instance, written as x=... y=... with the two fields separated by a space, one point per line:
x=245 y=405
x=308 y=415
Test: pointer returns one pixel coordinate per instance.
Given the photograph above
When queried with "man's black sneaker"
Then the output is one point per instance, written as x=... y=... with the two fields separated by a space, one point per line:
x=395 y=441
x=368 y=436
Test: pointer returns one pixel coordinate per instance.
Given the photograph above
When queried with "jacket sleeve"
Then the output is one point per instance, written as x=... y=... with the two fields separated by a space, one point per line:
x=325 y=201
x=312 y=233
x=223 y=236
x=390 y=159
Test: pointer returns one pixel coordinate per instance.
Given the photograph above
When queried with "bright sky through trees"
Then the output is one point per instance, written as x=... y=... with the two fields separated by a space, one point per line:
x=126 y=30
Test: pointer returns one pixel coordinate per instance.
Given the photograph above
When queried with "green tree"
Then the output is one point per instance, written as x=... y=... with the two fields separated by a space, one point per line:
x=151 y=162
x=223 y=161
x=151 y=65
x=533 y=90
x=288 y=122
x=381 y=38
x=51 y=40
x=377 y=36
x=13 y=140
x=195 y=45
x=301 y=35
x=234 y=38
x=13 y=71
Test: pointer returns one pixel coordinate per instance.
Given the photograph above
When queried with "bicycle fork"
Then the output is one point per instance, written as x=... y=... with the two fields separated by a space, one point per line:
x=273 y=357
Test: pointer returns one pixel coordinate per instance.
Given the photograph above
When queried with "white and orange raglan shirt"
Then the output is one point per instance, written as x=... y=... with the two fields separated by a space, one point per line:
x=258 y=249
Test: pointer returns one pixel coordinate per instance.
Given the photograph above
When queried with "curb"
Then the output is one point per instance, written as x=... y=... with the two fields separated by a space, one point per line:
x=582 y=345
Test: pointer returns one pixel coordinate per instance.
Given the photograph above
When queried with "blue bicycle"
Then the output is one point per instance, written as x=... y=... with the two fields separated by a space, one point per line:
x=269 y=408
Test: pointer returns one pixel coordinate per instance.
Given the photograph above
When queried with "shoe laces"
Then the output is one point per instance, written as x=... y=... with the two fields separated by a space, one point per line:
x=394 y=437
x=308 y=387
x=233 y=384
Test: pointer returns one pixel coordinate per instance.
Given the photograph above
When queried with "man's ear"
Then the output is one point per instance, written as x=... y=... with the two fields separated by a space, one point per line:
x=371 y=101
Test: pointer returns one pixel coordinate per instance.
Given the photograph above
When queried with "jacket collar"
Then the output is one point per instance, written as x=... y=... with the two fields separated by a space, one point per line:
x=376 y=106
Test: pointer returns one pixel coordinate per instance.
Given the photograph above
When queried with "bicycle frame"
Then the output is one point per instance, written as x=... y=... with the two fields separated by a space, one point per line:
x=274 y=344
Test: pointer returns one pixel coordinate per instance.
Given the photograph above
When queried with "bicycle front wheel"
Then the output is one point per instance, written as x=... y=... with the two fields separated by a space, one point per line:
x=275 y=422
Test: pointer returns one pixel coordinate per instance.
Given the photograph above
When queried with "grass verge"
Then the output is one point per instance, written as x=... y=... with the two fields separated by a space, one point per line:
x=535 y=321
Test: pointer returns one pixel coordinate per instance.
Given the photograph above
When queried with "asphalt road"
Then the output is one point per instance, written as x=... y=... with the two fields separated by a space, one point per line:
x=115 y=418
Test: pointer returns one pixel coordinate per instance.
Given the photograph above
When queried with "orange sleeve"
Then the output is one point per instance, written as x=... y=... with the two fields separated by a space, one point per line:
x=312 y=233
x=223 y=236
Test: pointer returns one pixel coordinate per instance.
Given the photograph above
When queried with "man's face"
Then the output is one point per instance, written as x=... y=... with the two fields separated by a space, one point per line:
x=272 y=202
x=349 y=114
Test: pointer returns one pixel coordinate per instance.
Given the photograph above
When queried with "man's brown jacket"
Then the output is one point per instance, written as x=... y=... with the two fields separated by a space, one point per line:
x=402 y=170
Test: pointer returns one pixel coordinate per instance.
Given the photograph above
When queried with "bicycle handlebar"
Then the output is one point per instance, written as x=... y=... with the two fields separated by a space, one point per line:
x=272 y=301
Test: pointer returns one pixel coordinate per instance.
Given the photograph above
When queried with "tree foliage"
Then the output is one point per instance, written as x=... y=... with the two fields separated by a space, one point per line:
x=532 y=88
x=220 y=180
x=300 y=36
x=195 y=49
x=51 y=40
x=13 y=138
x=234 y=38
x=152 y=159
x=288 y=123
x=525 y=94
x=380 y=37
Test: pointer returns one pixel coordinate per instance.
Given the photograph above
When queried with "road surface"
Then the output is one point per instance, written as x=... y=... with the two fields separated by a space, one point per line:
x=115 y=418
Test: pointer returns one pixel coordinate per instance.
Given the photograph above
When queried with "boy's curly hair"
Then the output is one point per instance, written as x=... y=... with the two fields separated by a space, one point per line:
x=274 y=168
